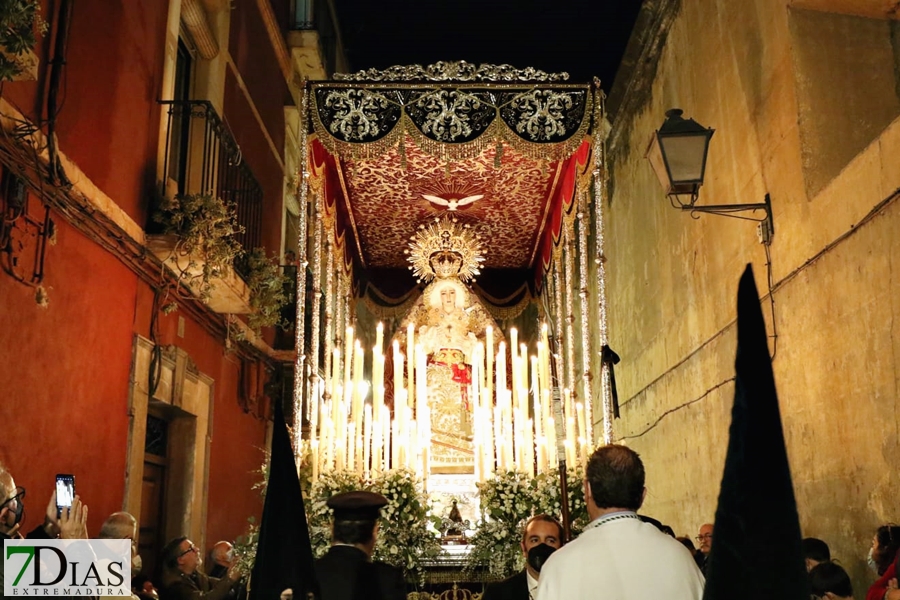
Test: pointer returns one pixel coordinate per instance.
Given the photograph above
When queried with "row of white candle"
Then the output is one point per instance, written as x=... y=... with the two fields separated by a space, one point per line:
x=513 y=419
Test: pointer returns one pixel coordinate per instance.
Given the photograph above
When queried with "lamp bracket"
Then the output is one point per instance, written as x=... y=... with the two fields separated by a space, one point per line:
x=766 y=227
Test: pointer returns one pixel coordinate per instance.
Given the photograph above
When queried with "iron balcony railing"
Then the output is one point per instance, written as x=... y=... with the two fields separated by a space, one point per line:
x=203 y=158
x=303 y=14
x=316 y=15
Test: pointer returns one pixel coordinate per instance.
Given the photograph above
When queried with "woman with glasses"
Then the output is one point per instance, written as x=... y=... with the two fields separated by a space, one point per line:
x=883 y=558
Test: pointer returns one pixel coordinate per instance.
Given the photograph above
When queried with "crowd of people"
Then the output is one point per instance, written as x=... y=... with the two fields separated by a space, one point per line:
x=608 y=559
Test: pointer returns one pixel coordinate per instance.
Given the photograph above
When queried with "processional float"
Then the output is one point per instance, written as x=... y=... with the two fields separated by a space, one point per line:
x=460 y=174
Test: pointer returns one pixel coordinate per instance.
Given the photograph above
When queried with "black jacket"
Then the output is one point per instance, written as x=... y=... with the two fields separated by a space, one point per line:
x=514 y=588
x=345 y=573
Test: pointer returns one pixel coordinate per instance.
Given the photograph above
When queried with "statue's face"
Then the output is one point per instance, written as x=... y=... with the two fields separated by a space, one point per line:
x=448 y=299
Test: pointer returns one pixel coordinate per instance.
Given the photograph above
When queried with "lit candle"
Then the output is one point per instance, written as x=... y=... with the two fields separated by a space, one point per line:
x=379 y=338
x=489 y=355
x=386 y=438
x=529 y=448
x=488 y=442
x=513 y=364
x=410 y=355
x=582 y=427
x=540 y=362
x=318 y=387
x=412 y=455
x=421 y=382
x=376 y=445
x=501 y=368
x=395 y=444
x=551 y=443
x=498 y=437
x=546 y=382
x=351 y=453
x=518 y=437
x=398 y=369
x=348 y=359
x=335 y=373
x=367 y=438
x=523 y=378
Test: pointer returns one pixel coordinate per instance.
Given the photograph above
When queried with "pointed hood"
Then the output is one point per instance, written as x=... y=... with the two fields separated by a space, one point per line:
x=284 y=557
x=756 y=552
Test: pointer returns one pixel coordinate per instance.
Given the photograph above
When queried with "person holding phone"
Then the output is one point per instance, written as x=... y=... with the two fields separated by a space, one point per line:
x=182 y=578
x=70 y=524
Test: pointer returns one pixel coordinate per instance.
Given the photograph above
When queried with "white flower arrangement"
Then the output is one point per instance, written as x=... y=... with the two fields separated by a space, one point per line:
x=404 y=539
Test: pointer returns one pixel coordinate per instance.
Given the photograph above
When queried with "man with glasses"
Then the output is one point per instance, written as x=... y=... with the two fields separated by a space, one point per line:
x=704 y=538
x=183 y=579
x=72 y=524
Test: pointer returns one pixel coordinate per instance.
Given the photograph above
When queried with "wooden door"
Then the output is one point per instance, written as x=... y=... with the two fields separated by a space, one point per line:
x=153 y=496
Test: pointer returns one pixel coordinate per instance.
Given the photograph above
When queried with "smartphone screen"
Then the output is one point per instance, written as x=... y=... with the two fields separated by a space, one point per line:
x=65 y=491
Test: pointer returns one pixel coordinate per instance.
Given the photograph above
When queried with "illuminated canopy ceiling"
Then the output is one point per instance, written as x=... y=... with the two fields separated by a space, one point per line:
x=496 y=147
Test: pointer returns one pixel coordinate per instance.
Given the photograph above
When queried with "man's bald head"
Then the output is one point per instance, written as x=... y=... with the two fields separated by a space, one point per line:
x=220 y=553
x=7 y=485
x=119 y=526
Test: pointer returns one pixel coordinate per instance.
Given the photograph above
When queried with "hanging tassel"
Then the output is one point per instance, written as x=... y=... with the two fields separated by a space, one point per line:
x=498 y=155
x=402 y=151
x=608 y=356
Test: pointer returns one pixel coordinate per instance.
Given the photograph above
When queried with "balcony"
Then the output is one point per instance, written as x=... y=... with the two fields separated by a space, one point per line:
x=202 y=157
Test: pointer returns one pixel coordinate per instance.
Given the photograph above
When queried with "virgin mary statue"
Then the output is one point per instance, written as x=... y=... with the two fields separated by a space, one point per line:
x=450 y=321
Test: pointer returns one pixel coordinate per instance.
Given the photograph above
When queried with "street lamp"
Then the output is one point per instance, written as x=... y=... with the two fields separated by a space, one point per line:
x=677 y=153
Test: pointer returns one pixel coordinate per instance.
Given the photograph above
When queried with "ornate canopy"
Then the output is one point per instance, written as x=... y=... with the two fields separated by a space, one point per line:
x=496 y=147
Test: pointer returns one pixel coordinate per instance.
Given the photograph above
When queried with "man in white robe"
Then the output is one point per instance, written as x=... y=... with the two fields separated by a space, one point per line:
x=618 y=556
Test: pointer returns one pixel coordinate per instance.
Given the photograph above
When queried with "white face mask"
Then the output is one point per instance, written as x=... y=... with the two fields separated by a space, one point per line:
x=136 y=565
x=871 y=561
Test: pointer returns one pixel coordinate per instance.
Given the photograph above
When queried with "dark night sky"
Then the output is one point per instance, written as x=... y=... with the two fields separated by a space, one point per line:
x=586 y=38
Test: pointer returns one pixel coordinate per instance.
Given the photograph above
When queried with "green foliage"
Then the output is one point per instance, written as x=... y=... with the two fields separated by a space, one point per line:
x=245 y=548
x=206 y=227
x=404 y=539
x=317 y=512
x=20 y=20
x=268 y=294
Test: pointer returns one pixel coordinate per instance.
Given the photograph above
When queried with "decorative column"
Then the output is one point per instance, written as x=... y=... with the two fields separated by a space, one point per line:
x=299 y=341
x=556 y=342
x=316 y=303
x=599 y=153
x=583 y=224
x=329 y=303
x=569 y=279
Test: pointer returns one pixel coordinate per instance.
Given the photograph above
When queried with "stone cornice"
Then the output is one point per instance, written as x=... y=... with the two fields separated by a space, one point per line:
x=634 y=80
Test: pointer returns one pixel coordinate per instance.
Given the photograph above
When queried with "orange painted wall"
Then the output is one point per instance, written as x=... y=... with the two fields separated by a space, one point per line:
x=260 y=158
x=64 y=370
x=64 y=376
x=109 y=124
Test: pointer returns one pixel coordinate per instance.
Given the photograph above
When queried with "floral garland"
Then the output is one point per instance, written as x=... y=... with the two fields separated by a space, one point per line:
x=404 y=537
x=507 y=501
x=407 y=537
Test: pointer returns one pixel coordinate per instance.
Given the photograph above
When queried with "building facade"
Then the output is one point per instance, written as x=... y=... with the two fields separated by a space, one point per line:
x=804 y=99
x=155 y=398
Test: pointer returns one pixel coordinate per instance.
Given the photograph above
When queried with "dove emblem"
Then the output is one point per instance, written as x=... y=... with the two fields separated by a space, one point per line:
x=453 y=203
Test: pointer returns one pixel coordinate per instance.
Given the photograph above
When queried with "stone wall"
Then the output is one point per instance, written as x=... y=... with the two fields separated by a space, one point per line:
x=805 y=108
